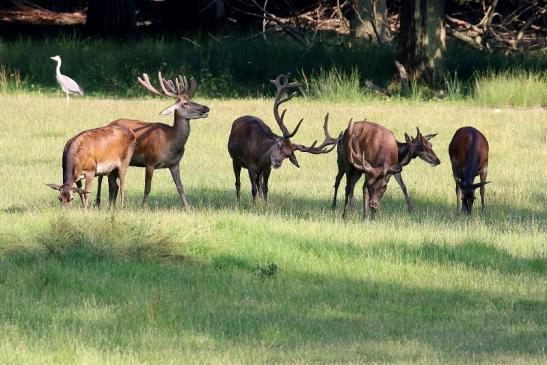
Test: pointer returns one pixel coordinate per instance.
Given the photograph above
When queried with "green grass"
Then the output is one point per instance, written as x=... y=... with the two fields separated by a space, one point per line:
x=286 y=282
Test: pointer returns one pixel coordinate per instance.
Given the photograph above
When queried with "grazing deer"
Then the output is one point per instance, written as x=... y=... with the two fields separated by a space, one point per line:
x=96 y=152
x=468 y=153
x=160 y=145
x=371 y=149
x=254 y=146
x=420 y=147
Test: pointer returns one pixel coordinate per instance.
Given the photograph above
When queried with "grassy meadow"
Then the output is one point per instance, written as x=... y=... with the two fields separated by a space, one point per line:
x=283 y=282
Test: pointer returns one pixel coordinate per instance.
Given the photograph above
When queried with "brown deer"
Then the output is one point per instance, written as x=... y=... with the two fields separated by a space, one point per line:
x=96 y=152
x=253 y=145
x=468 y=153
x=371 y=149
x=160 y=145
x=420 y=146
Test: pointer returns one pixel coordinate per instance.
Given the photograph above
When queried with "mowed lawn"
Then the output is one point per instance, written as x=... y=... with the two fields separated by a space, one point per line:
x=283 y=282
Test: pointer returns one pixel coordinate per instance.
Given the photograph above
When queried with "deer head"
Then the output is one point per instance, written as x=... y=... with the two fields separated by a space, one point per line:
x=66 y=193
x=182 y=90
x=377 y=176
x=468 y=193
x=422 y=147
x=283 y=147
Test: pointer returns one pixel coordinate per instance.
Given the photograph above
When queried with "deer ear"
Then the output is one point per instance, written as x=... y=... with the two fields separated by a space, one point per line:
x=430 y=136
x=54 y=186
x=293 y=159
x=408 y=139
x=478 y=185
x=395 y=169
x=78 y=190
x=170 y=109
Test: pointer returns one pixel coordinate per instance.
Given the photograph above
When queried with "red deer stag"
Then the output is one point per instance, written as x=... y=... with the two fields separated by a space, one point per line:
x=96 y=152
x=370 y=149
x=420 y=146
x=469 y=157
x=253 y=145
x=160 y=145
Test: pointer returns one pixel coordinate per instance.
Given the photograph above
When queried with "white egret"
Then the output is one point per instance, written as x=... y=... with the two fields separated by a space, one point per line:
x=68 y=85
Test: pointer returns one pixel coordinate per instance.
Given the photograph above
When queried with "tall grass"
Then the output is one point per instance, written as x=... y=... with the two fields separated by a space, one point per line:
x=334 y=84
x=512 y=88
x=236 y=68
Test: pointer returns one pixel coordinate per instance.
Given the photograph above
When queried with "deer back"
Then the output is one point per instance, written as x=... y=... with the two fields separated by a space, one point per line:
x=100 y=150
x=250 y=139
x=468 y=153
x=378 y=143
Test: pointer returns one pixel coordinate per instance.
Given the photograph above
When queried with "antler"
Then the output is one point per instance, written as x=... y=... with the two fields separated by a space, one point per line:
x=359 y=161
x=173 y=90
x=322 y=148
x=282 y=84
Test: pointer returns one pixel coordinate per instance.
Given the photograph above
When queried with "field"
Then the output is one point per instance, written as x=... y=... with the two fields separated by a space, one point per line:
x=283 y=282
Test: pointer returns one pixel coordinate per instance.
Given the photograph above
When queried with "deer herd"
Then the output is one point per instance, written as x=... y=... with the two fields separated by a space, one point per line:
x=363 y=148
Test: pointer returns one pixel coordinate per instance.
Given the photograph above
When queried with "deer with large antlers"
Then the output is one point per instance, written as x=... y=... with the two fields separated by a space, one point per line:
x=420 y=146
x=160 y=145
x=371 y=149
x=253 y=145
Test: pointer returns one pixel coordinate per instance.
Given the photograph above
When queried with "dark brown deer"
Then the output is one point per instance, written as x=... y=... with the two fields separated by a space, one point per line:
x=420 y=146
x=370 y=149
x=468 y=153
x=96 y=152
x=253 y=145
x=160 y=145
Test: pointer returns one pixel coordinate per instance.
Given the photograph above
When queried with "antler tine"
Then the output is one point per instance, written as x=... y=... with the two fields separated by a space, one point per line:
x=297 y=126
x=418 y=133
x=177 y=82
x=282 y=84
x=146 y=83
x=193 y=86
x=165 y=91
x=328 y=143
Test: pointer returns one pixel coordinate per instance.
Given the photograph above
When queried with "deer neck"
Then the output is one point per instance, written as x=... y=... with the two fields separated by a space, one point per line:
x=69 y=166
x=402 y=151
x=181 y=127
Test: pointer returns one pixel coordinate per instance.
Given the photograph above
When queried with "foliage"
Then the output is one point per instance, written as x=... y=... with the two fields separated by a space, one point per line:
x=231 y=68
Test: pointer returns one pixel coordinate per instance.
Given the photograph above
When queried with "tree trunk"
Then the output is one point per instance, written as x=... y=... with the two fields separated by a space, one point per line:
x=368 y=19
x=111 y=17
x=422 y=38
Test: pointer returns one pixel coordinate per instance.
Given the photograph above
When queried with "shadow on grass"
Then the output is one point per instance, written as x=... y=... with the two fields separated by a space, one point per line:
x=295 y=205
x=317 y=317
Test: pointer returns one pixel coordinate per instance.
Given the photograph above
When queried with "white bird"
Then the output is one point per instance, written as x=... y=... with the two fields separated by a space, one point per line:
x=68 y=85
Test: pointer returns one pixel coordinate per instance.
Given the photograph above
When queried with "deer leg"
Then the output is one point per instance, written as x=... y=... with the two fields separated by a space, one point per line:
x=352 y=177
x=260 y=184
x=121 y=179
x=148 y=174
x=175 y=172
x=98 y=195
x=79 y=185
x=254 y=180
x=483 y=179
x=339 y=176
x=112 y=189
x=366 y=198
x=458 y=198
x=401 y=183
x=88 y=185
x=237 y=173
x=266 y=176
